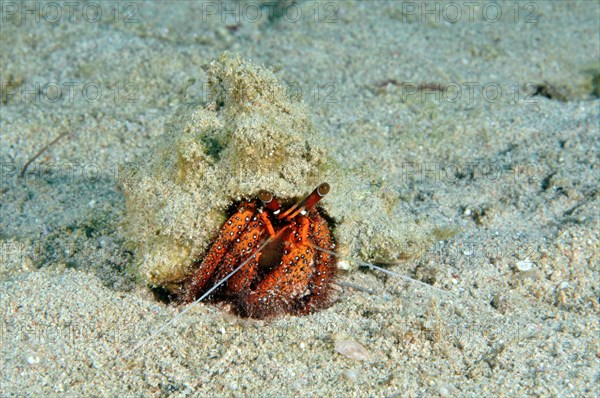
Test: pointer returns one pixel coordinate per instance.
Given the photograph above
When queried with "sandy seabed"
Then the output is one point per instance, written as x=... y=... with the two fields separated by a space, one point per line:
x=479 y=119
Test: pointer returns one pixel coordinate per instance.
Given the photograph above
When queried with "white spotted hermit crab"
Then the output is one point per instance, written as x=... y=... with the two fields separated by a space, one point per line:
x=251 y=136
x=286 y=272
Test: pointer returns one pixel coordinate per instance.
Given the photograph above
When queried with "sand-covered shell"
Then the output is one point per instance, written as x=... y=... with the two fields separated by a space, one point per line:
x=250 y=135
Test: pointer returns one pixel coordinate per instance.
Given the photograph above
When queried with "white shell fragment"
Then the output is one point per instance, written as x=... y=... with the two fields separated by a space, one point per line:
x=524 y=265
x=352 y=350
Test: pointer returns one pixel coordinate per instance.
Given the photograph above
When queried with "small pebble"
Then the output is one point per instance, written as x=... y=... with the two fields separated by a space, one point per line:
x=352 y=374
x=300 y=384
x=444 y=390
x=105 y=241
x=32 y=358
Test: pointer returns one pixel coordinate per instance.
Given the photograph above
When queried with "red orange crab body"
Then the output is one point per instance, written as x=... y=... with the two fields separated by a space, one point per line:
x=282 y=269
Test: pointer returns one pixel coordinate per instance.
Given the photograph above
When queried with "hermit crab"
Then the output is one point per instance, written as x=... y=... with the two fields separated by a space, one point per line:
x=268 y=261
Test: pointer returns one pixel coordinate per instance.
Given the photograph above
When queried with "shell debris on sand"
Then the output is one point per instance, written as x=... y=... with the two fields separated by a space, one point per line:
x=353 y=350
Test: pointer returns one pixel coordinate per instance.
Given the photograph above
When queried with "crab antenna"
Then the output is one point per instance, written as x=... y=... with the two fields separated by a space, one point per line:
x=198 y=300
x=269 y=200
x=308 y=202
x=385 y=271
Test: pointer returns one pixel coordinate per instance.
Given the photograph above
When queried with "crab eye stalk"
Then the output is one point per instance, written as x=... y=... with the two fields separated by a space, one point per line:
x=265 y=196
x=308 y=202
x=323 y=189
x=269 y=200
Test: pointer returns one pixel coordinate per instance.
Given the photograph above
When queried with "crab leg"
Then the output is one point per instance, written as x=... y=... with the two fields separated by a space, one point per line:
x=325 y=270
x=281 y=288
x=232 y=229
x=249 y=243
